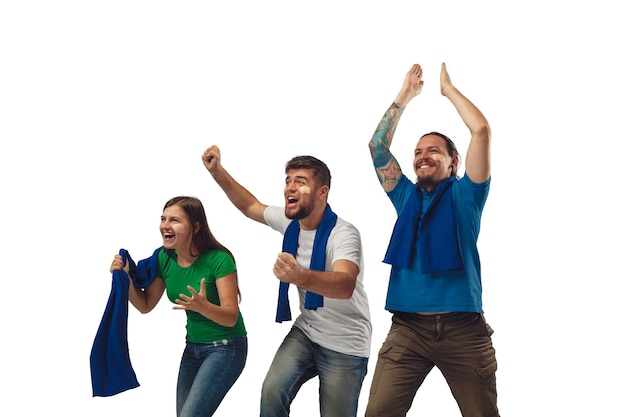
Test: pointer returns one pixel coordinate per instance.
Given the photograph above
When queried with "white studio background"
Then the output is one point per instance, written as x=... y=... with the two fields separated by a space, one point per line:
x=106 y=107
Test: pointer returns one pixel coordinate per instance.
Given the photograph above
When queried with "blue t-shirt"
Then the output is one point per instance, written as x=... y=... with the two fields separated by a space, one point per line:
x=412 y=291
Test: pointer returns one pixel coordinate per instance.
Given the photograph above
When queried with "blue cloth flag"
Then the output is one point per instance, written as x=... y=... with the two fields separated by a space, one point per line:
x=111 y=370
x=435 y=232
x=318 y=262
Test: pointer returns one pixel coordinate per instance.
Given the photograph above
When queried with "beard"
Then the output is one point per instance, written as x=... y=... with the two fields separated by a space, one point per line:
x=427 y=182
x=300 y=213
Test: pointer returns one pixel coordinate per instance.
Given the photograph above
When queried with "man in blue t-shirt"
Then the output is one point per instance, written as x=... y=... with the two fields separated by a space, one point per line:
x=435 y=289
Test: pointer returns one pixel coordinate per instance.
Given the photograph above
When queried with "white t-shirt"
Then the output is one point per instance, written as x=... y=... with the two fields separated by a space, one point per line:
x=341 y=325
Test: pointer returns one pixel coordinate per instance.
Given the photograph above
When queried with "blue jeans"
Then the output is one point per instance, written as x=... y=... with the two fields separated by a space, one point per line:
x=297 y=361
x=207 y=371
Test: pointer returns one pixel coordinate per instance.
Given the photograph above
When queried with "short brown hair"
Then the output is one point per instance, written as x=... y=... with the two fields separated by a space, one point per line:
x=321 y=173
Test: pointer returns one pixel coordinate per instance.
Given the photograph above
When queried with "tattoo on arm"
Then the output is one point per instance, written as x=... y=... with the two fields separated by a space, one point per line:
x=391 y=174
x=386 y=165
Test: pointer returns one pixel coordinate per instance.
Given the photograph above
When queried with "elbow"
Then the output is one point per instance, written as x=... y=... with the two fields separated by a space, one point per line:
x=144 y=310
x=372 y=147
x=230 y=321
x=147 y=308
x=345 y=280
x=482 y=130
x=347 y=291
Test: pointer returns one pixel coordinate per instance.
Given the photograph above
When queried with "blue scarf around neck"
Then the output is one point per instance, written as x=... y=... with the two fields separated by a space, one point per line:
x=435 y=232
x=318 y=262
x=111 y=370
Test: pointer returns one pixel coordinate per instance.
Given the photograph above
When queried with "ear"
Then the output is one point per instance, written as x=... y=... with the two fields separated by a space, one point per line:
x=323 y=191
x=455 y=161
x=196 y=228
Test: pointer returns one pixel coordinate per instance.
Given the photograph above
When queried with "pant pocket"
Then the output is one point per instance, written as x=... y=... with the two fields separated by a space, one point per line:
x=380 y=365
x=487 y=373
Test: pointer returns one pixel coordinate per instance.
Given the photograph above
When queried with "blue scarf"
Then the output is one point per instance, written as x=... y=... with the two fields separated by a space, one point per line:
x=111 y=370
x=436 y=232
x=318 y=262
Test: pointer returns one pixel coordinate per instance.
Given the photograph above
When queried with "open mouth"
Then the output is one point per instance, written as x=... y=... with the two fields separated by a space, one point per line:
x=424 y=166
x=291 y=201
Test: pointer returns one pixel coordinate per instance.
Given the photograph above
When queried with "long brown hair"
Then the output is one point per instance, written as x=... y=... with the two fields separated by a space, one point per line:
x=203 y=240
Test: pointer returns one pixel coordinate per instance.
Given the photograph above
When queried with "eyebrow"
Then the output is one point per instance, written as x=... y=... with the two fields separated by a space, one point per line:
x=429 y=147
x=170 y=217
x=302 y=177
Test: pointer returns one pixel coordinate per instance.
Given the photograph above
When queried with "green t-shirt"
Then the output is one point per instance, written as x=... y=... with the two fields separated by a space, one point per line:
x=211 y=266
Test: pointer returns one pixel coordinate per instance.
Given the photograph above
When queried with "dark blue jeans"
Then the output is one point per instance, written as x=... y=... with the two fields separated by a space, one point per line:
x=297 y=361
x=207 y=371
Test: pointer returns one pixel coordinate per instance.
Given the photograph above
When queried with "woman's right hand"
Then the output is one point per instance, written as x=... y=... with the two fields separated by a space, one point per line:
x=118 y=264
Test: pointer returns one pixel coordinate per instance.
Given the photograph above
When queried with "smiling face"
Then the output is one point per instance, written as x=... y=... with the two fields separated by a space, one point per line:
x=176 y=229
x=299 y=190
x=432 y=163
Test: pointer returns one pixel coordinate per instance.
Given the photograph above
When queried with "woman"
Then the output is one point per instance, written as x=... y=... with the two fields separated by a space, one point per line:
x=200 y=277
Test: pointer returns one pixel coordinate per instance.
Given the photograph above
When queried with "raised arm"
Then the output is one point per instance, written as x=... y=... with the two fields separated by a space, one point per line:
x=478 y=159
x=387 y=167
x=237 y=194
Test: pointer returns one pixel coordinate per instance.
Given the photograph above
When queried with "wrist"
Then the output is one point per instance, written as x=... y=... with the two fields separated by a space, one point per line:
x=403 y=98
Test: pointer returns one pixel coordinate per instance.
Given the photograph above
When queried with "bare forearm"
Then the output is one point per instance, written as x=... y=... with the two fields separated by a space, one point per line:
x=138 y=299
x=386 y=166
x=478 y=159
x=330 y=284
x=225 y=315
x=241 y=198
x=471 y=115
x=145 y=300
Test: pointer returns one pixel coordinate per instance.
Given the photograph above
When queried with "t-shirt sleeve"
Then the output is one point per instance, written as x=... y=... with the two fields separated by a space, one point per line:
x=223 y=264
x=472 y=193
x=346 y=244
x=400 y=193
x=276 y=219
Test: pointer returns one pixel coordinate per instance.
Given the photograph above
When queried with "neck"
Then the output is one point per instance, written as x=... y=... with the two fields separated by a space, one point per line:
x=185 y=258
x=311 y=221
x=428 y=184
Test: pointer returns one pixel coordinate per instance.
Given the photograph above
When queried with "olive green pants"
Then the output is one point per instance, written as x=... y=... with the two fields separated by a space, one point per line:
x=458 y=344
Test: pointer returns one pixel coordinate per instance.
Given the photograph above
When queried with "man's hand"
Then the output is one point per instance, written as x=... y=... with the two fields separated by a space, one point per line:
x=211 y=158
x=412 y=86
x=445 y=81
x=286 y=268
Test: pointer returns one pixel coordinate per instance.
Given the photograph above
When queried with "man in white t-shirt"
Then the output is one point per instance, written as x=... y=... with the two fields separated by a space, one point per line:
x=322 y=257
